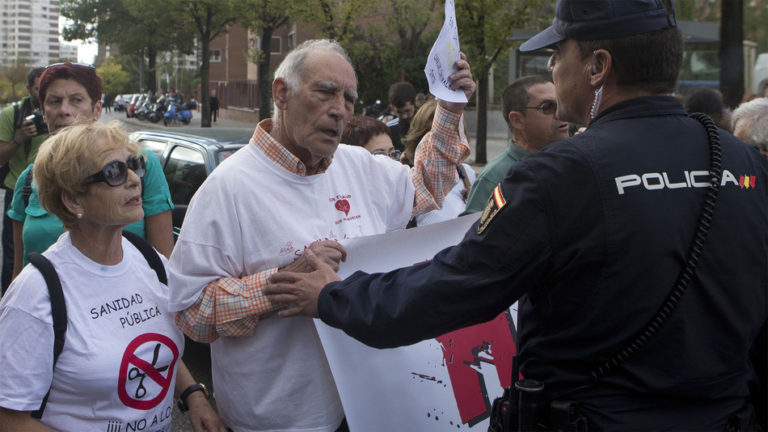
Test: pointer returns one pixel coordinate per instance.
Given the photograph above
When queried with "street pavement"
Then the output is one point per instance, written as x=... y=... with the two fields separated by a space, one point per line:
x=197 y=356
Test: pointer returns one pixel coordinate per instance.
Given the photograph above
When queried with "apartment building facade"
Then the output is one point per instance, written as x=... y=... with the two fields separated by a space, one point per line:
x=29 y=30
x=234 y=76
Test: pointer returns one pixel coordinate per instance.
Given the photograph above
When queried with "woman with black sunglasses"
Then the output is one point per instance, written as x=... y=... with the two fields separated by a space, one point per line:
x=121 y=362
x=70 y=94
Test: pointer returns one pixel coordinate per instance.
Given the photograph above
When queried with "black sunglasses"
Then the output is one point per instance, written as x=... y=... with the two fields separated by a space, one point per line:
x=547 y=107
x=115 y=173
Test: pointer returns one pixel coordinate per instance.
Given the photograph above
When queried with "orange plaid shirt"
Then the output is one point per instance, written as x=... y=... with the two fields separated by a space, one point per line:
x=233 y=306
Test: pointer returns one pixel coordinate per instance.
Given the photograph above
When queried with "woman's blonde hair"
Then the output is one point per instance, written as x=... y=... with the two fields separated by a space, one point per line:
x=66 y=159
x=420 y=125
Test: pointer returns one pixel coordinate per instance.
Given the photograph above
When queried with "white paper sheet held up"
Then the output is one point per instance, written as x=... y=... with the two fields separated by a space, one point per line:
x=442 y=56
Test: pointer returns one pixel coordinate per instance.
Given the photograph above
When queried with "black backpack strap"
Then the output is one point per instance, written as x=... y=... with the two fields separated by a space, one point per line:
x=20 y=111
x=153 y=259
x=16 y=117
x=58 y=313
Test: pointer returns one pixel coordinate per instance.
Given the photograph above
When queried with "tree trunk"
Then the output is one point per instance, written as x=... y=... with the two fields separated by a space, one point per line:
x=265 y=90
x=205 y=91
x=151 y=75
x=732 y=52
x=481 y=135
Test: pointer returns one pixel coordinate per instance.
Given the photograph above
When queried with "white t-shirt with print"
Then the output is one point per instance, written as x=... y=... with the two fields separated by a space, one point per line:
x=118 y=368
x=251 y=215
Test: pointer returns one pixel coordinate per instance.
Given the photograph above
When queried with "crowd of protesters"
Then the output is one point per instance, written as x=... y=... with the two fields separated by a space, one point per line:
x=584 y=215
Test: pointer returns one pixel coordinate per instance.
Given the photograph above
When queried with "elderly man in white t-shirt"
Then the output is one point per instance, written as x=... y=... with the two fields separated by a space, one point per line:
x=291 y=189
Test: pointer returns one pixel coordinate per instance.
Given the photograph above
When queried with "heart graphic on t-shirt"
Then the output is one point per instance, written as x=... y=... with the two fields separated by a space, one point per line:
x=342 y=206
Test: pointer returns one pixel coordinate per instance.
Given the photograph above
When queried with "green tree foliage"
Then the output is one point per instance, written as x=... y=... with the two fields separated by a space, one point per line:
x=5 y=92
x=114 y=79
x=264 y=17
x=13 y=81
x=143 y=27
x=210 y=18
x=388 y=41
x=184 y=81
x=755 y=18
x=335 y=18
x=416 y=24
x=485 y=30
x=131 y=64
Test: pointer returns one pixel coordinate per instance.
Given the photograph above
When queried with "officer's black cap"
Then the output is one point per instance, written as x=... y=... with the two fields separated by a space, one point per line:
x=601 y=19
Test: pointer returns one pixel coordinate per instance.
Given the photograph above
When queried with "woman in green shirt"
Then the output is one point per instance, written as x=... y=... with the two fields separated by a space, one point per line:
x=71 y=94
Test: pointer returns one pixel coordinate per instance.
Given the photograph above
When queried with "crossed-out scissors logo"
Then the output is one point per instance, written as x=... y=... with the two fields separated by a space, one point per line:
x=146 y=371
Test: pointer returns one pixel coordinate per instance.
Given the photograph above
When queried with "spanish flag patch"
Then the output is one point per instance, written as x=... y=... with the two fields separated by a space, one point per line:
x=495 y=203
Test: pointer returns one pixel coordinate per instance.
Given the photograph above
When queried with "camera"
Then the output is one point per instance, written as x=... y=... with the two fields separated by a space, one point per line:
x=37 y=119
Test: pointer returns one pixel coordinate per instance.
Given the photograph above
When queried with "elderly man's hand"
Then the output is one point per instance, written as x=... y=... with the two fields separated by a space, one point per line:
x=300 y=291
x=330 y=252
x=202 y=415
x=461 y=79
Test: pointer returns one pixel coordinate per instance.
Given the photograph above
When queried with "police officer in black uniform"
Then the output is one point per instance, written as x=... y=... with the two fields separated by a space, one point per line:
x=638 y=249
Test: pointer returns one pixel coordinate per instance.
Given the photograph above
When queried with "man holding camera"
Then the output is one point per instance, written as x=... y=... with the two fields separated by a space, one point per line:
x=22 y=130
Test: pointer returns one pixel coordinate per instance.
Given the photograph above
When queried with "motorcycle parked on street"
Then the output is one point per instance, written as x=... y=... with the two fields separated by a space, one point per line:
x=176 y=113
x=145 y=108
x=158 y=110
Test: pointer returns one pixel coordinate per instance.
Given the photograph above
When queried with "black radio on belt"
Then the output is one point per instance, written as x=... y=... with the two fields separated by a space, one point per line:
x=523 y=407
x=518 y=408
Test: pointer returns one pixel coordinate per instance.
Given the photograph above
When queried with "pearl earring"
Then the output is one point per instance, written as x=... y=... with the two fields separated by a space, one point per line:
x=79 y=215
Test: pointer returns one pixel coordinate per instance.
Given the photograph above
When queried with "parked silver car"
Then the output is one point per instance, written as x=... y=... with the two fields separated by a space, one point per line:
x=187 y=160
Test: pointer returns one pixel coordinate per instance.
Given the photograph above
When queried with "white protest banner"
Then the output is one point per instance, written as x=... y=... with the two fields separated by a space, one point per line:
x=446 y=383
x=442 y=56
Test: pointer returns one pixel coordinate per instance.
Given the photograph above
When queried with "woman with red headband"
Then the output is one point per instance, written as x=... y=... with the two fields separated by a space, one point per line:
x=71 y=94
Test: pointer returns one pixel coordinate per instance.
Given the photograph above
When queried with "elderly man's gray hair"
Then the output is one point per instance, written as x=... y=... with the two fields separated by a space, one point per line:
x=292 y=66
x=755 y=115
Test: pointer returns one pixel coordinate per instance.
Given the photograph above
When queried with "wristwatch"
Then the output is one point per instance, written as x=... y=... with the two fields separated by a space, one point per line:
x=16 y=142
x=188 y=391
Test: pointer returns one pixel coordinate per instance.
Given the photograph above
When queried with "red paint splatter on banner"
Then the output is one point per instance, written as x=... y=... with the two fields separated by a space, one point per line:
x=491 y=342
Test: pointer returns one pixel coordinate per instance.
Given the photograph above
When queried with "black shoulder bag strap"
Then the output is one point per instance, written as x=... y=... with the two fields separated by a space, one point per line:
x=19 y=111
x=58 y=313
x=18 y=118
x=149 y=254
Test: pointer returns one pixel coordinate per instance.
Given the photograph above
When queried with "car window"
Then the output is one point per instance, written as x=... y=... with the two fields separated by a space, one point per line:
x=185 y=172
x=223 y=154
x=156 y=147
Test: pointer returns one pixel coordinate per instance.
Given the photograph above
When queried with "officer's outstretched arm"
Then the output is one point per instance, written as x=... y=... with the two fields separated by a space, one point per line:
x=463 y=285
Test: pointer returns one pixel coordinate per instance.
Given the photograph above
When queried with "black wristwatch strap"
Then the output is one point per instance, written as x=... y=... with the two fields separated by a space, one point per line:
x=188 y=391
